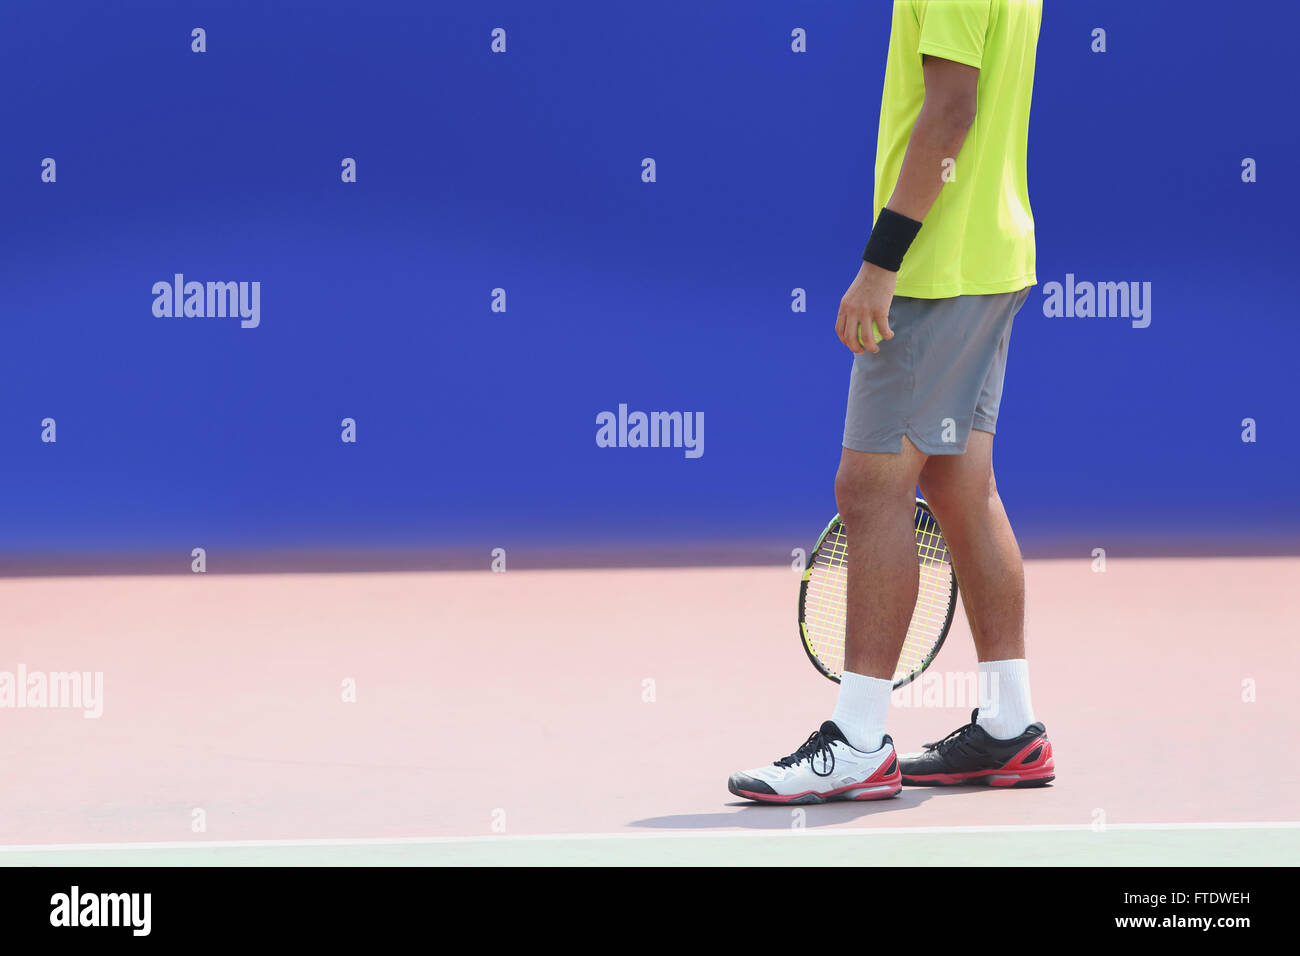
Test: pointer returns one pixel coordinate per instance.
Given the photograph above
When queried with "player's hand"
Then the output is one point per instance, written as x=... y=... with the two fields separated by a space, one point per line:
x=867 y=300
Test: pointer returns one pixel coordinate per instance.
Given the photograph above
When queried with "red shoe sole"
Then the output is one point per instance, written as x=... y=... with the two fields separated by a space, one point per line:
x=1016 y=772
x=879 y=786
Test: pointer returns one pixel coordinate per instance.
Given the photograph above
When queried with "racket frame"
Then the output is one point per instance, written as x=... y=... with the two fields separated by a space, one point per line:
x=803 y=593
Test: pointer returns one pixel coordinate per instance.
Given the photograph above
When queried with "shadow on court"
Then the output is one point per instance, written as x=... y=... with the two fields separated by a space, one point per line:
x=771 y=816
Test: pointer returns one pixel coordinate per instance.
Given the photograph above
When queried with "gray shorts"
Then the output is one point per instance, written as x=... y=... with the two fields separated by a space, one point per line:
x=937 y=378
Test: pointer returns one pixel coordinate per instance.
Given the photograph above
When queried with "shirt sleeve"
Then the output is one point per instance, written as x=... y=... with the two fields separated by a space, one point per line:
x=954 y=29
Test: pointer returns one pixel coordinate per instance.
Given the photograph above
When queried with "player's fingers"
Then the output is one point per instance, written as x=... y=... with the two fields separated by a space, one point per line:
x=882 y=321
x=853 y=332
x=866 y=337
x=846 y=327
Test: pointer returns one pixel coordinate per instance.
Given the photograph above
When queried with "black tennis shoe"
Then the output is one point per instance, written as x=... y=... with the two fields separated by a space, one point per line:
x=969 y=755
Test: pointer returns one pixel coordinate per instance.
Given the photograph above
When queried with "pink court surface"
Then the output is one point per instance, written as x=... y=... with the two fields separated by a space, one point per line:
x=592 y=717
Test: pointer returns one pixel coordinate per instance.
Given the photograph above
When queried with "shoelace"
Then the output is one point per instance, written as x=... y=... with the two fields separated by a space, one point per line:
x=816 y=744
x=956 y=738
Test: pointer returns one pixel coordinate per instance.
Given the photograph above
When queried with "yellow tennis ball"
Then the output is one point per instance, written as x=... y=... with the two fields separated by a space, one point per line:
x=875 y=334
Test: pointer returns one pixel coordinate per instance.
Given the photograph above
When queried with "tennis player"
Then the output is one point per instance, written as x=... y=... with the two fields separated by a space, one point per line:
x=948 y=264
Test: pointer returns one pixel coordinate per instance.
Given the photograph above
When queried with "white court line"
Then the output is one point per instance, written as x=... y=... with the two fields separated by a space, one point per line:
x=793 y=832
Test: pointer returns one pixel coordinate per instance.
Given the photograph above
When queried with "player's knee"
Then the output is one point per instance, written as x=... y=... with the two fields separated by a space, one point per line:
x=937 y=489
x=951 y=491
x=861 y=492
x=852 y=491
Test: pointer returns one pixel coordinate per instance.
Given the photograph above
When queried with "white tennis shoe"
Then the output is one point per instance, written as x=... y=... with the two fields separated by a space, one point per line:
x=824 y=768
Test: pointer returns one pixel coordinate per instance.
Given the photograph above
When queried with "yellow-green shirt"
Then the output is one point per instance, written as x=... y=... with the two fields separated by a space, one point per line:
x=979 y=236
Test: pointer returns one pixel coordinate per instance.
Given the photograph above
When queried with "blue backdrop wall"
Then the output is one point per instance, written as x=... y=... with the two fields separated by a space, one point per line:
x=522 y=171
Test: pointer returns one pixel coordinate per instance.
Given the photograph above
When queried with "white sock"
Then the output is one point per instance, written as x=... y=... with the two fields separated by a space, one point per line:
x=861 y=708
x=1005 y=707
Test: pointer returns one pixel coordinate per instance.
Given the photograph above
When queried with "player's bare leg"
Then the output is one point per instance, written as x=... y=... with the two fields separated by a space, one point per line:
x=963 y=494
x=850 y=757
x=875 y=494
x=1002 y=746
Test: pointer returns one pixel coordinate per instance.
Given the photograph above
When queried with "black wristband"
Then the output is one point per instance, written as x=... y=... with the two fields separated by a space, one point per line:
x=890 y=240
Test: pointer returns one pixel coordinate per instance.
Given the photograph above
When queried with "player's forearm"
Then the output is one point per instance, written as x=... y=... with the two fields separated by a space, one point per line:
x=936 y=140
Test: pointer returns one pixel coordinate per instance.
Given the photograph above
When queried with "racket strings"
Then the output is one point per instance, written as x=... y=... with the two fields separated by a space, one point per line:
x=826 y=599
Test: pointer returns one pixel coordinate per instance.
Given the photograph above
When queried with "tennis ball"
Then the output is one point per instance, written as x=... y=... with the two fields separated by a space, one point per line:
x=875 y=334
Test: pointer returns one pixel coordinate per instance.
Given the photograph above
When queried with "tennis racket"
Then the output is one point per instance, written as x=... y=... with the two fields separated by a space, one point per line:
x=823 y=600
